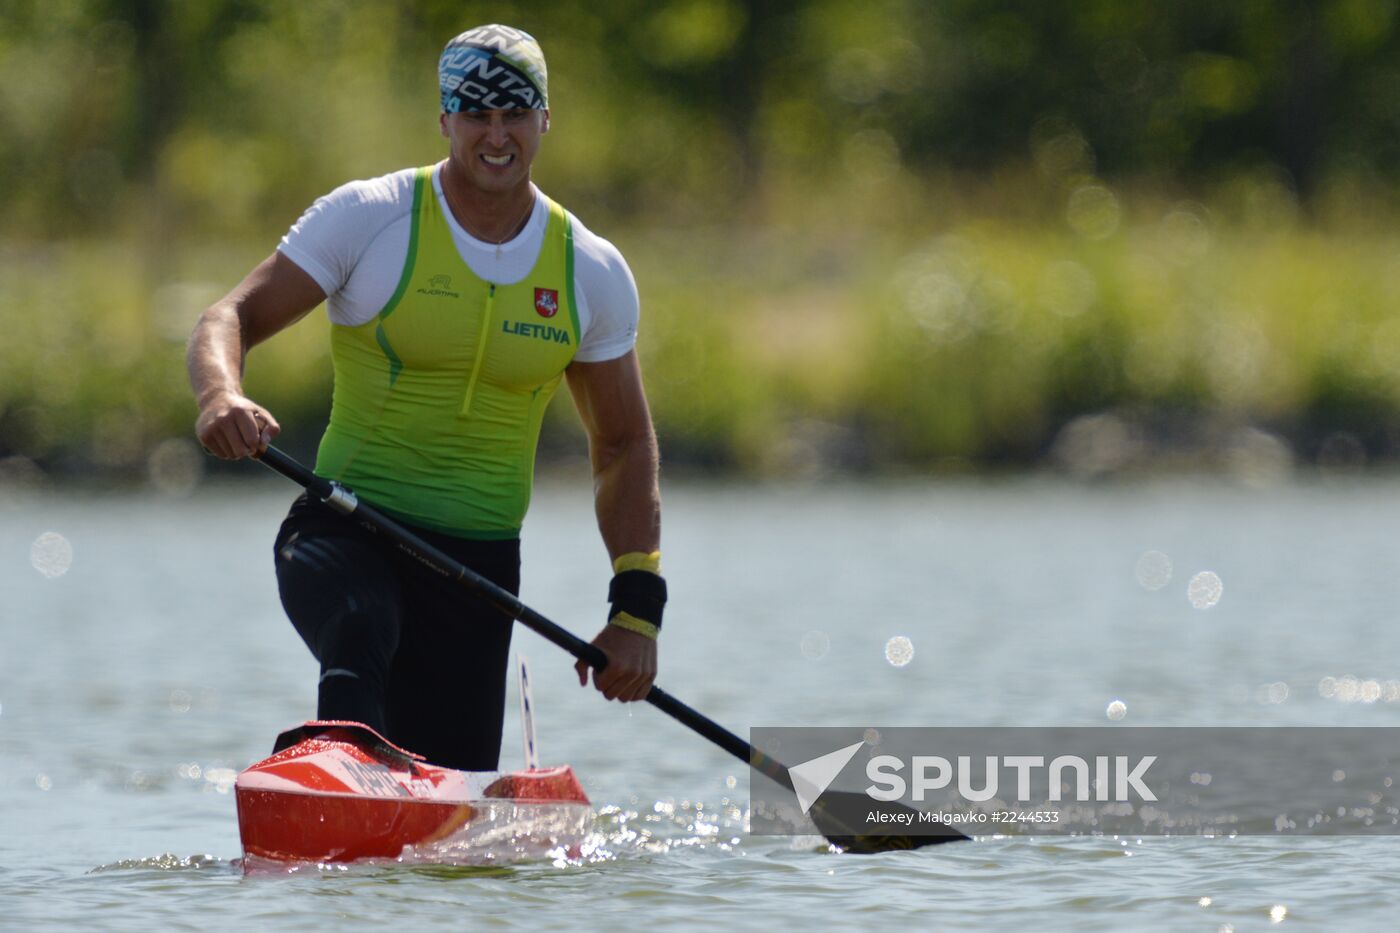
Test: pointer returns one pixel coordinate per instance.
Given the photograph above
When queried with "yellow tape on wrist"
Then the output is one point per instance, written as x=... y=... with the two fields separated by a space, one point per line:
x=639 y=560
x=634 y=624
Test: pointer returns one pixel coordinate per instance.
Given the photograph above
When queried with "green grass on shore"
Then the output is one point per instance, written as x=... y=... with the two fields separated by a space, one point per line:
x=768 y=351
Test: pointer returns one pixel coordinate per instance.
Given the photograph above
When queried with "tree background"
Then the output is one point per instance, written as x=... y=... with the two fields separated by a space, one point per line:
x=880 y=236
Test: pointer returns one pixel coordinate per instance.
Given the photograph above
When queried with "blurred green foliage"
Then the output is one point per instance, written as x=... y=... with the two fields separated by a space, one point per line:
x=875 y=234
x=225 y=116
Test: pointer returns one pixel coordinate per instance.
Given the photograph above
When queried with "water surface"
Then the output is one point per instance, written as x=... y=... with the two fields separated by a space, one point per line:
x=136 y=683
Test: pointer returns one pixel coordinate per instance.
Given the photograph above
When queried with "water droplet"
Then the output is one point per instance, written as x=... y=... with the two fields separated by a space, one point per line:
x=51 y=554
x=180 y=701
x=1092 y=445
x=1060 y=149
x=730 y=782
x=871 y=736
x=899 y=651
x=1338 y=776
x=1204 y=902
x=1277 y=913
x=1116 y=710
x=1184 y=234
x=220 y=778
x=43 y=781
x=1093 y=212
x=1153 y=570
x=175 y=467
x=1204 y=590
x=1342 y=453
x=859 y=75
x=1258 y=458
x=871 y=156
x=815 y=645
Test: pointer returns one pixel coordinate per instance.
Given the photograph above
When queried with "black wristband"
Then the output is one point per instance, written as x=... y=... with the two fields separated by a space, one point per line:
x=639 y=593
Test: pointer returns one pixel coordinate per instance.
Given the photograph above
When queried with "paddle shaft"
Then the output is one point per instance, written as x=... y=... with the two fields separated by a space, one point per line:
x=342 y=500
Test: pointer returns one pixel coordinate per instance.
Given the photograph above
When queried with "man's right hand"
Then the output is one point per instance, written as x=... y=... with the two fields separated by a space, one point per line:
x=271 y=297
x=234 y=426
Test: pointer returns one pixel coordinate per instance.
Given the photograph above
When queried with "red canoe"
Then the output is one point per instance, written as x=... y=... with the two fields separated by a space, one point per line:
x=339 y=791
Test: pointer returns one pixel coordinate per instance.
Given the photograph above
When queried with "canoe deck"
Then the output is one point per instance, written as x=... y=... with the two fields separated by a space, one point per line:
x=340 y=792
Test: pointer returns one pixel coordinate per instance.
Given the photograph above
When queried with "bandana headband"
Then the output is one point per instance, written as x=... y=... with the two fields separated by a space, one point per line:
x=493 y=68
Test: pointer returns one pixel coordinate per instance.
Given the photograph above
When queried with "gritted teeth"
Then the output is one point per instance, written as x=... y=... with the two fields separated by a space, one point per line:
x=497 y=160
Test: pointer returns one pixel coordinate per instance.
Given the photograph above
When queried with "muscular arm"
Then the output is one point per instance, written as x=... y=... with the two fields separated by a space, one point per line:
x=272 y=297
x=622 y=447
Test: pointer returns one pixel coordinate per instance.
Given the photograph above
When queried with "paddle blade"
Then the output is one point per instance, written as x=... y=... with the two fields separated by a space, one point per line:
x=858 y=824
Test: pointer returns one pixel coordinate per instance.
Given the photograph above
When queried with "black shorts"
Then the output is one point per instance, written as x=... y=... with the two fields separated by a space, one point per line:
x=402 y=649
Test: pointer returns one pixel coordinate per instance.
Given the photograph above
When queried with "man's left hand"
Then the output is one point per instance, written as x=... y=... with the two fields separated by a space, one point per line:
x=631 y=666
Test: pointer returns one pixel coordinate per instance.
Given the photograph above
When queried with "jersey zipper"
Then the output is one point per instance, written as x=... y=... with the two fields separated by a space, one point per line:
x=480 y=351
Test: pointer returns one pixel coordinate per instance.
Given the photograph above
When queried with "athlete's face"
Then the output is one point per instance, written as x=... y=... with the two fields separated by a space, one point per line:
x=495 y=147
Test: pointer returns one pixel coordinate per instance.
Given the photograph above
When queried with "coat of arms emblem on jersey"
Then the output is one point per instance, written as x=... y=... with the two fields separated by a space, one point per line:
x=547 y=302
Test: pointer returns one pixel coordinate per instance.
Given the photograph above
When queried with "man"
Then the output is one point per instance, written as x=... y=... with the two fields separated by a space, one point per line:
x=460 y=295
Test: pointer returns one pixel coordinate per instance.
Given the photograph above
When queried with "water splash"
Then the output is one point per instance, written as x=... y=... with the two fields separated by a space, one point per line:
x=1204 y=590
x=1153 y=570
x=667 y=826
x=168 y=861
x=175 y=467
x=1351 y=689
x=51 y=554
x=899 y=651
x=564 y=837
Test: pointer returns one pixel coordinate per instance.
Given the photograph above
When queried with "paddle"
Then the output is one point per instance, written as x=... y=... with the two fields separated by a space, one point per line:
x=835 y=813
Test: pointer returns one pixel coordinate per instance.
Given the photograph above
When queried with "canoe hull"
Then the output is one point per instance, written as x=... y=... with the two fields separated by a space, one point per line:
x=340 y=792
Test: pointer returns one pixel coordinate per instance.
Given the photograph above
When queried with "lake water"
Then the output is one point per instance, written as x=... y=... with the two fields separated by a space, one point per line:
x=133 y=686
